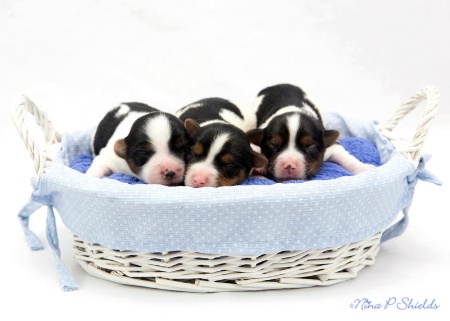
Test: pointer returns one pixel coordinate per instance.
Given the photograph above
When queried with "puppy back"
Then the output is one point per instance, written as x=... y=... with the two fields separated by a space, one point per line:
x=112 y=120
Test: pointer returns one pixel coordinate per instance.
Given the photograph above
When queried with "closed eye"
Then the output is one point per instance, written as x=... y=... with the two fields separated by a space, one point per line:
x=312 y=150
x=141 y=156
x=230 y=169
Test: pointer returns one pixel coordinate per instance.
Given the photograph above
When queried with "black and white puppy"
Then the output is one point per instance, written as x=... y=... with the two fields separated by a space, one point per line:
x=291 y=134
x=141 y=141
x=220 y=152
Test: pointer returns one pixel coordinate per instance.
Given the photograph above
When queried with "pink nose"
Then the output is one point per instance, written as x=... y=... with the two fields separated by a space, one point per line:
x=198 y=181
x=289 y=168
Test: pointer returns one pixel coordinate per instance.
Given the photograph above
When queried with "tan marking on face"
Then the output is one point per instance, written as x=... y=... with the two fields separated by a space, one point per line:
x=313 y=167
x=227 y=158
x=276 y=140
x=198 y=149
x=180 y=142
x=239 y=178
x=306 y=140
x=134 y=168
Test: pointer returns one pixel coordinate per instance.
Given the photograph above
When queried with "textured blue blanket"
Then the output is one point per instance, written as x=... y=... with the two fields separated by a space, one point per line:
x=361 y=148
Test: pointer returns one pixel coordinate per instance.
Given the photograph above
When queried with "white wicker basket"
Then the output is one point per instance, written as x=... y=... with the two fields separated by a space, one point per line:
x=201 y=272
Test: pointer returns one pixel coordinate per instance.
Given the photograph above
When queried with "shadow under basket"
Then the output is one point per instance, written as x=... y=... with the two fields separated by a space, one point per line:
x=239 y=238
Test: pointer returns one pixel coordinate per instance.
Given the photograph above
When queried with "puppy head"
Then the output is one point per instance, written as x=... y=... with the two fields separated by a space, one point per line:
x=155 y=149
x=294 y=144
x=220 y=155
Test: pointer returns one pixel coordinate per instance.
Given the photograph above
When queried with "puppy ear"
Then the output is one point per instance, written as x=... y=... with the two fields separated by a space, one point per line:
x=120 y=148
x=330 y=137
x=256 y=136
x=191 y=127
x=259 y=160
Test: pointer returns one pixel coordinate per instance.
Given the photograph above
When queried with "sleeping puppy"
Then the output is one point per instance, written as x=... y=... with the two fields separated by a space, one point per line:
x=291 y=134
x=141 y=141
x=220 y=152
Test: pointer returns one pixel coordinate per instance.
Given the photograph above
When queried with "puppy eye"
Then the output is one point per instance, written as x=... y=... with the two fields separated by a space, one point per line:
x=180 y=143
x=273 y=147
x=312 y=150
x=191 y=153
x=142 y=152
x=230 y=166
x=141 y=156
x=230 y=169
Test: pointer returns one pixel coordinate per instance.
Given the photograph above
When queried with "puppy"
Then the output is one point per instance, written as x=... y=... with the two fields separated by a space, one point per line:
x=141 y=141
x=220 y=152
x=291 y=134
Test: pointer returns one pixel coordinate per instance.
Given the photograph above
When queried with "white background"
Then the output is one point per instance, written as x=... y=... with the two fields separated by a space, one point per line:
x=76 y=59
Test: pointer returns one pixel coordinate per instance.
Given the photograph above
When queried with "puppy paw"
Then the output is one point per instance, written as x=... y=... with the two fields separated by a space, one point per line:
x=362 y=167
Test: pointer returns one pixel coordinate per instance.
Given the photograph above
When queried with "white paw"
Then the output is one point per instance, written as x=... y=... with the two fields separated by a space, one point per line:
x=362 y=167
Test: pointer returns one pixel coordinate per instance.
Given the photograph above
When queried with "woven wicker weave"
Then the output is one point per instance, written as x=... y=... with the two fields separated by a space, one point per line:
x=198 y=272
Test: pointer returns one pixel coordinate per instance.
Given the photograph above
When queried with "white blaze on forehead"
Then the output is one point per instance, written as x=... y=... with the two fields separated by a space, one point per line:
x=293 y=123
x=216 y=147
x=159 y=131
x=123 y=110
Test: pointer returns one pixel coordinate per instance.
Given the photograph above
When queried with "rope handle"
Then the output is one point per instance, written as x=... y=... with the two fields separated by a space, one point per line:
x=39 y=150
x=412 y=149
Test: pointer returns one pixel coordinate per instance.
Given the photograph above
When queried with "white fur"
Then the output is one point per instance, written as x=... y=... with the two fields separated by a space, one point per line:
x=182 y=110
x=295 y=159
x=291 y=156
x=123 y=110
x=336 y=153
x=293 y=124
x=249 y=121
x=214 y=121
x=158 y=130
x=282 y=111
x=232 y=118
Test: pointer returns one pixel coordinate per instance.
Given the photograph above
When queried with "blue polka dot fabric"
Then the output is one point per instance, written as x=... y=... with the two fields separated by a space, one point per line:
x=333 y=209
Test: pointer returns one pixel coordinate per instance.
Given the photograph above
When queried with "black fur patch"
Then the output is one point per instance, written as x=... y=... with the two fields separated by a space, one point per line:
x=279 y=96
x=109 y=123
x=209 y=110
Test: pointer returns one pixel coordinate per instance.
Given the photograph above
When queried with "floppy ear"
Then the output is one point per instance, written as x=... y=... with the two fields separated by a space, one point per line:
x=256 y=136
x=191 y=127
x=259 y=160
x=330 y=137
x=120 y=148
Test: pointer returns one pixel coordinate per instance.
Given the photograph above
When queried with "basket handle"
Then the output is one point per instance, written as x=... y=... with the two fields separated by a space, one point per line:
x=412 y=150
x=38 y=150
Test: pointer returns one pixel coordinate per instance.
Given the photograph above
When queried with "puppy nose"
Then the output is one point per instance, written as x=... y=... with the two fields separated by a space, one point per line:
x=289 y=167
x=198 y=181
x=170 y=175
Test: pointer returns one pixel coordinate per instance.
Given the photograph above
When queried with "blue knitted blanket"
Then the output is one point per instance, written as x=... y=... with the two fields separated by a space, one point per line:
x=363 y=149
